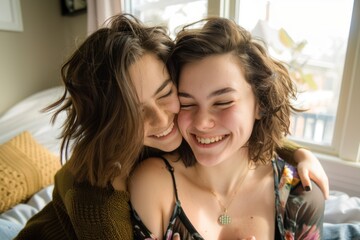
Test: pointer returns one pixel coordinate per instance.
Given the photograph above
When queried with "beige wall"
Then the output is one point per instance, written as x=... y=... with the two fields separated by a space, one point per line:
x=31 y=60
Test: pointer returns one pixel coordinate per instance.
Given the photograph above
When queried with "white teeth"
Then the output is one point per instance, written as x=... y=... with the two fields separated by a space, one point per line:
x=209 y=140
x=166 y=132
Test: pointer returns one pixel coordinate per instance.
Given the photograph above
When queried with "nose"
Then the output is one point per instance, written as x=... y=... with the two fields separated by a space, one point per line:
x=203 y=120
x=157 y=116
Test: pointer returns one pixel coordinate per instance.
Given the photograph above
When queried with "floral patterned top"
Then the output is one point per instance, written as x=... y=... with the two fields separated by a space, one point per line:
x=299 y=214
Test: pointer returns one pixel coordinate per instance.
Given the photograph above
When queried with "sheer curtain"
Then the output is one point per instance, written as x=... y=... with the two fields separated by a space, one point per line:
x=98 y=11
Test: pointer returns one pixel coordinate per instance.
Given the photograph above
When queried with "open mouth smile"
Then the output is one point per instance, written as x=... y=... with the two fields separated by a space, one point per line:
x=166 y=132
x=209 y=140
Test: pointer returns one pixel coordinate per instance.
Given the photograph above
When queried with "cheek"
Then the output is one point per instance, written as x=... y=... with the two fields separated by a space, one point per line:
x=184 y=120
x=229 y=117
x=233 y=117
x=176 y=104
x=146 y=128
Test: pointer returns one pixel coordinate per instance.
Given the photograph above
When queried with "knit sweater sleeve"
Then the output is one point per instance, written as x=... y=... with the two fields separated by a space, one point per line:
x=99 y=213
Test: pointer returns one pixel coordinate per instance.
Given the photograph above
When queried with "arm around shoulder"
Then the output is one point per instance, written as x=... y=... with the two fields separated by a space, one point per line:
x=287 y=151
x=309 y=167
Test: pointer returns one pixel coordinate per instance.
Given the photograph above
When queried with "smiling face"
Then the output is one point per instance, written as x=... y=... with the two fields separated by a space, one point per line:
x=218 y=108
x=159 y=102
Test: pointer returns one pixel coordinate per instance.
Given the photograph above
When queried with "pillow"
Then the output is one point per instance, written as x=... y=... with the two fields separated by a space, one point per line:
x=25 y=168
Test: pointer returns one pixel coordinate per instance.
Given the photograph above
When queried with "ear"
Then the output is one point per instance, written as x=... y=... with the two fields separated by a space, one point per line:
x=257 y=112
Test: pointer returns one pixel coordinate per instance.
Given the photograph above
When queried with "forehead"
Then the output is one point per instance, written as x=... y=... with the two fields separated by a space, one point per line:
x=212 y=73
x=148 y=73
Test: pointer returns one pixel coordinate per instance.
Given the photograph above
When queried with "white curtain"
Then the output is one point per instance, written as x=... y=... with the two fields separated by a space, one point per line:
x=98 y=11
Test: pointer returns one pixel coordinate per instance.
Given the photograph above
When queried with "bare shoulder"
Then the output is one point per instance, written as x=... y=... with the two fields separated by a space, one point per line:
x=150 y=178
x=154 y=169
x=151 y=193
x=149 y=169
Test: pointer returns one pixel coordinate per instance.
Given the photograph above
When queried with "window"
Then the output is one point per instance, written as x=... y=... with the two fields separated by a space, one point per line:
x=320 y=42
x=314 y=48
x=314 y=43
x=171 y=14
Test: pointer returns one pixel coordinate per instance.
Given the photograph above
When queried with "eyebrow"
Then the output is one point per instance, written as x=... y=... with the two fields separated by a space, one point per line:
x=167 y=82
x=213 y=94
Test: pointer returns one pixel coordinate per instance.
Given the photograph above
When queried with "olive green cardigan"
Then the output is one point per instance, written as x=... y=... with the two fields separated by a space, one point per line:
x=81 y=211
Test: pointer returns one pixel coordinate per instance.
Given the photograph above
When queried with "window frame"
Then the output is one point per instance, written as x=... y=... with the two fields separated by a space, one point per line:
x=347 y=140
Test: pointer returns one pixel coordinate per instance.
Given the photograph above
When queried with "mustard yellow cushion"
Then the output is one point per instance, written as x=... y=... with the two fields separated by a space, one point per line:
x=25 y=168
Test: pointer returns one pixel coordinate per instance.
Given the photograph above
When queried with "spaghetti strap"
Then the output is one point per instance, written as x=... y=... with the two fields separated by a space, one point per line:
x=178 y=221
x=171 y=170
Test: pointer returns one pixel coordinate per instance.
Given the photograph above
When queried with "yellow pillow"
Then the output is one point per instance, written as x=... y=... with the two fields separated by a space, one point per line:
x=25 y=168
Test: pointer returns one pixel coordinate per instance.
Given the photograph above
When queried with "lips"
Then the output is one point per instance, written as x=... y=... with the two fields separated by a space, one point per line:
x=166 y=132
x=209 y=140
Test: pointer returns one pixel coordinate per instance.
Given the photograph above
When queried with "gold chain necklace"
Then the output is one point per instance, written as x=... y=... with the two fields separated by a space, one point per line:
x=224 y=218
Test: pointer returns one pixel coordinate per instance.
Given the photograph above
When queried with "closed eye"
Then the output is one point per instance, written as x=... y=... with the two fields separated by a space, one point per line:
x=185 y=106
x=167 y=94
x=223 y=103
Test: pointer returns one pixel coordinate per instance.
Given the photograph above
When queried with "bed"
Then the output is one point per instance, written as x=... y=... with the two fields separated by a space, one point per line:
x=27 y=134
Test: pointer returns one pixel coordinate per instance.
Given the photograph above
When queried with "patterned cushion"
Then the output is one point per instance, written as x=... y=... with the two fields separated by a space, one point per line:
x=25 y=168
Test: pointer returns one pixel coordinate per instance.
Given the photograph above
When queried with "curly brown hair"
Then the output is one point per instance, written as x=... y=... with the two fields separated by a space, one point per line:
x=104 y=127
x=268 y=78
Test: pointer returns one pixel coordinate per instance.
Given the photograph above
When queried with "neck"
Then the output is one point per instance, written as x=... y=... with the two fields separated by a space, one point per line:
x=223 y=178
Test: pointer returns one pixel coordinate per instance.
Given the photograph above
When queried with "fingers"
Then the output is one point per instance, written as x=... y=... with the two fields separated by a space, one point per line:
x=310 y=167
x=324 y=186
x=176 y=236
x=320 y=178
x=305 y=179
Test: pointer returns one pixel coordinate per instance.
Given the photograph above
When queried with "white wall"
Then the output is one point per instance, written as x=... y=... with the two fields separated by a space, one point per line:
x=31 y=60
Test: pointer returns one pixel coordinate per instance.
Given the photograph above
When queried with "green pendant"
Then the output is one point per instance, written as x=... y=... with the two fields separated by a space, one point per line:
x=224 y=219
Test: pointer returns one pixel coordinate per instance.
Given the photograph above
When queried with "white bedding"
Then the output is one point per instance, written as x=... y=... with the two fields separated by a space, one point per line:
x=14 y=219
x=341 y=208
x=342 y=213
x=27 y=115
x=22 y=212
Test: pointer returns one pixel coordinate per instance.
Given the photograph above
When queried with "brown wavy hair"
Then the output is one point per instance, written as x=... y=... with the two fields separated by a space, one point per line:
x=268 y=78
x=104 y=128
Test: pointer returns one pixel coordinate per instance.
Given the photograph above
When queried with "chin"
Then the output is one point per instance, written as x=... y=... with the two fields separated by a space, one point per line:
x=207 y=161
x=167 y=147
